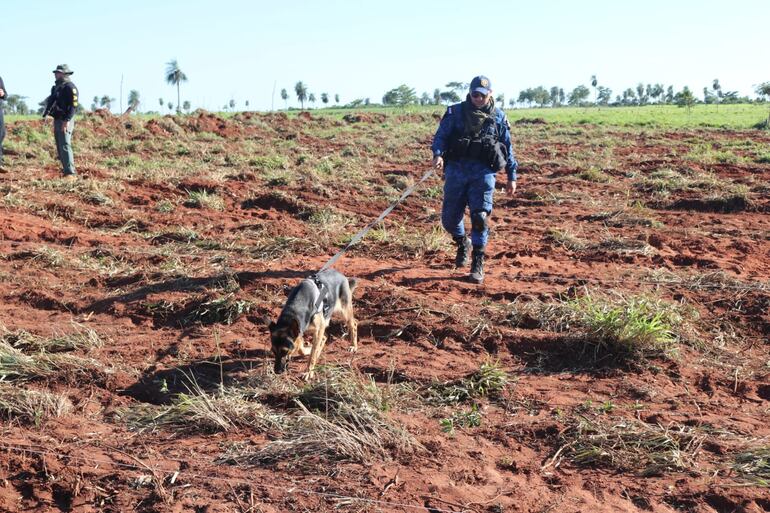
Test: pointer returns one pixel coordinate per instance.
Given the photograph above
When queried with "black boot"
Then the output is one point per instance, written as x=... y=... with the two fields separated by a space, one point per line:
x=477 y=265
x=463 y=248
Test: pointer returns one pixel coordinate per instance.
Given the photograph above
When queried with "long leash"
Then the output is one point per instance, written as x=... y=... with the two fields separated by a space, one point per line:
x=361 y=233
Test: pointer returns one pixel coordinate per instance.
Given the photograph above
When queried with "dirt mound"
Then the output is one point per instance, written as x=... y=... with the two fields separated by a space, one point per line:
x=365 y=117
x=102 y=113
x=162 y=127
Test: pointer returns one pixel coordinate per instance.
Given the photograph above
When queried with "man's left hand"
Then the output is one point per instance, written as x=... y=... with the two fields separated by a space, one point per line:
x=510 y=187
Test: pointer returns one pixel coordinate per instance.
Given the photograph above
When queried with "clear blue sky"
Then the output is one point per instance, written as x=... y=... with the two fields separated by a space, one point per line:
x=238 y=49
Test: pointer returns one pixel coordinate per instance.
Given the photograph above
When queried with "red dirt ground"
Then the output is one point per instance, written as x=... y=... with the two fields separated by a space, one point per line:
x=88 y=461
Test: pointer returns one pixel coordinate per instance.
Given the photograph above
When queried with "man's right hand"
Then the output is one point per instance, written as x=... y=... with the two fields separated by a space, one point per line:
x=438 y=162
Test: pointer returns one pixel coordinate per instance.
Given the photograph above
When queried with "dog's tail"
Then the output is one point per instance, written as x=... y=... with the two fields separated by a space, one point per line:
x=352 y=283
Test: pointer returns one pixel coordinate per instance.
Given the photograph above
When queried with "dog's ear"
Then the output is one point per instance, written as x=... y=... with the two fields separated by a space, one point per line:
x=294 y=328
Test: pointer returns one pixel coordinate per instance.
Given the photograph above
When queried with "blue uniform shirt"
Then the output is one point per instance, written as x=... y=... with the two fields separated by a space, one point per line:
x=452 y=125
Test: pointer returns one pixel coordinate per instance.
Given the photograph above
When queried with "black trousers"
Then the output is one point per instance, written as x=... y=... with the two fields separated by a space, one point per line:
x=2 y=134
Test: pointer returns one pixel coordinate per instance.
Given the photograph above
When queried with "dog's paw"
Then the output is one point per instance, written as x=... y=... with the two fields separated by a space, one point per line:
x=308 y=375
x=352 y=349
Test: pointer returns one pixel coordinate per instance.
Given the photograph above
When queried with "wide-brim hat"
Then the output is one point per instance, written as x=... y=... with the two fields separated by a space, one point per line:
x=63 y=68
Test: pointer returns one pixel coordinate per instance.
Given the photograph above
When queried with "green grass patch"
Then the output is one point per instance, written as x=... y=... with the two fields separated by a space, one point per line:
x=593 y=174
x=611 y=325
x=489 y=380
x=204 y=199
x=461 y=419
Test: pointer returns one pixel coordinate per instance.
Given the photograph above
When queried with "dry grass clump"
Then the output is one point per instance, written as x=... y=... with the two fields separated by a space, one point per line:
x=636 y=216
x=359 y=436
x=16 y=364
x=712 y=280
x=625 y=246
x=629 y=445
x=200 y=411
x=568 y=240
x=31 y=406
x=340 y=418
x=612 y=244
x=82 y=338
x=753 y=465
x=45 y=255
x=273 y=248
x=404 y=241
x=705 y=191
x=224 y=310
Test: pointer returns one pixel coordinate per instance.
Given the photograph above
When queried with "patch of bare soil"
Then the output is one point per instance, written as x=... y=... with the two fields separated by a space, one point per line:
x=179 y=293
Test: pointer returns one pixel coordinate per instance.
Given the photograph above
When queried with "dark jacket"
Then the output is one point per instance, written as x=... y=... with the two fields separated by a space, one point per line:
x=4 y=94
x=452 y=126
x=63 y=101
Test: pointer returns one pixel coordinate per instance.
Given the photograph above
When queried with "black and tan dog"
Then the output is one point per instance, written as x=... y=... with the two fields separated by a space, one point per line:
x=303 y=311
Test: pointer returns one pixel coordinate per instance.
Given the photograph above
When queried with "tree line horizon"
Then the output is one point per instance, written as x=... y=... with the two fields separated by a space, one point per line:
x=453 y=92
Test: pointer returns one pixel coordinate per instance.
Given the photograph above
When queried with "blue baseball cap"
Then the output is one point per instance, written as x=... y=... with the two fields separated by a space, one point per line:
x=481 y=84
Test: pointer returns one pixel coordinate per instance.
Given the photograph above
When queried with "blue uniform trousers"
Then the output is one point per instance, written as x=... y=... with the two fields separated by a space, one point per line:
x=467 y=183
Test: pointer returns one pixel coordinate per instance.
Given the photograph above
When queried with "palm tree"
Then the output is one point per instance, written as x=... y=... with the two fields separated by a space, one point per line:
x=186 y=106
x=593 y=84
x=175 y=76
x=301 y=90
x=311 y=98
x=232 y=104
x=285 y=97
x=325 y=98
x=717 y=87
x=106 y=102
x=133 y=100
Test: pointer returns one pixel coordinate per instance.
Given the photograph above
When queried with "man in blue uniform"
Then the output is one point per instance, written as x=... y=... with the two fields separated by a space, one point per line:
x=62 y=105
x=3 y=97
x=473 y=141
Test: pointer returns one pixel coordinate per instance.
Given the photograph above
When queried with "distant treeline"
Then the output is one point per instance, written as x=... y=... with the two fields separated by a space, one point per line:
x=642 y=94
x=453 y=92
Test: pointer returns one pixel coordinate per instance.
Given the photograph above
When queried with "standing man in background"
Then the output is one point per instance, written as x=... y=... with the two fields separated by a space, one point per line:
x=62 y=105
x=3 y=97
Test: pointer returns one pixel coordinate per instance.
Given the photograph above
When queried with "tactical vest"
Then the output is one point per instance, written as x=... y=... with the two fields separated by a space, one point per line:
x=483 y=146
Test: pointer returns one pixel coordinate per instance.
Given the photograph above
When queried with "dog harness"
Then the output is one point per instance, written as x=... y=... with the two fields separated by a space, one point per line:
x=322 y=303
